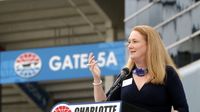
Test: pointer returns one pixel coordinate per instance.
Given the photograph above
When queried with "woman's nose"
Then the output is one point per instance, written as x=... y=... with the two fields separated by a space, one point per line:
x=130 y=46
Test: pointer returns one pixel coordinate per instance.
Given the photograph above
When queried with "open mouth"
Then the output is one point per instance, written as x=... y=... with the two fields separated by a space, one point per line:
x=133 y=51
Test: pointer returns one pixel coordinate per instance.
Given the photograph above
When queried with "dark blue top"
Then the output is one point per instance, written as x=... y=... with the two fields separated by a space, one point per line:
x=155 y=97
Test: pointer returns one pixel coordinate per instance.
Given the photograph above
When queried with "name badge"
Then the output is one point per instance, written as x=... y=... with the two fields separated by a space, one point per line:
x=127 y=82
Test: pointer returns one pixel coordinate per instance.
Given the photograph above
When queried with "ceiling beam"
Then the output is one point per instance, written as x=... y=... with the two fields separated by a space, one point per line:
x=48 y=34
x=16 y=6
x=52 y=42
x=99 y=10
x=73 y=94
x=59 y=22
x=68 y=87
x=43 y=14
x=84 y=16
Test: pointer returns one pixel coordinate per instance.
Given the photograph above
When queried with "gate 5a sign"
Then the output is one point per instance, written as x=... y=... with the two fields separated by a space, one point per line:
x=60 y=63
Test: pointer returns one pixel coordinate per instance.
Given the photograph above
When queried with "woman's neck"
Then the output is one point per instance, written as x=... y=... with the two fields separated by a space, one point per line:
x=140 y=62
x=140 y=65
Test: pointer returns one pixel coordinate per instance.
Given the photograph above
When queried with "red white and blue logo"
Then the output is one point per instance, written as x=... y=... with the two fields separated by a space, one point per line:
x=27 y=65
x=61 y=108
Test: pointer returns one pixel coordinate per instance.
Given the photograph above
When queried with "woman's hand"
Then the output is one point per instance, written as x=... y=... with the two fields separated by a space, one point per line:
x=94 y=68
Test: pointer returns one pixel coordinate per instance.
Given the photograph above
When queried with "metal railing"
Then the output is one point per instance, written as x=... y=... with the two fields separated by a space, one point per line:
x=168 y=20
x=184 y=40
x=141 y=10
x=177 y=15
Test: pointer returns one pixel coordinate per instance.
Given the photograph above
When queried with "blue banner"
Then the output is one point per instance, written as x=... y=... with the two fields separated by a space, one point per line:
x=60 y=63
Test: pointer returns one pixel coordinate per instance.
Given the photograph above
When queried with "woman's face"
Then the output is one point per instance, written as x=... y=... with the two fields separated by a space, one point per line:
x=137 y=46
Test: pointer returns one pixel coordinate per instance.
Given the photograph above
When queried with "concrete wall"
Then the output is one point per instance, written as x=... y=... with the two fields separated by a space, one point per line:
x=191 y=81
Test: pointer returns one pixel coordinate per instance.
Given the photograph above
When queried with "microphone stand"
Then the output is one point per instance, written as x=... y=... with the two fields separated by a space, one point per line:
x=117 y=84
x=112 y=90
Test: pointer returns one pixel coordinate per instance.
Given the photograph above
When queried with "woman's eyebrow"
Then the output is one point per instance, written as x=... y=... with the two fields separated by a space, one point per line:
x=132 y=39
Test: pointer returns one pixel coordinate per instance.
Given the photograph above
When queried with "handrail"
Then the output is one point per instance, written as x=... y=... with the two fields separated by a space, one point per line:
x=174 y=17
x=141 y=10
x=183 y=40
x=168 y=20
x=177 y=15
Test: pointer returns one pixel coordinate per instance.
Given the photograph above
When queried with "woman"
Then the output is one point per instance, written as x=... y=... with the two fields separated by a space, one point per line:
x=154 y=83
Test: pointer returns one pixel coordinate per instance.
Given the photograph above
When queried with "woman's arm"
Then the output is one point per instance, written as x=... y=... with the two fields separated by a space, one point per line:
x=99 y=94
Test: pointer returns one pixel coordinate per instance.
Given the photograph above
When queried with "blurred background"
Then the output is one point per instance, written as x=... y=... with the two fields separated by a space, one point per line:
x=37 y=24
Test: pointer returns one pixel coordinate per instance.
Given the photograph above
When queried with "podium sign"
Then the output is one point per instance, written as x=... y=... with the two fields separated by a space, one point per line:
x=88 y=107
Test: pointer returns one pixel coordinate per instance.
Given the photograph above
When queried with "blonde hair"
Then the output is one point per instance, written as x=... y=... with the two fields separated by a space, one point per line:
x=157 y=56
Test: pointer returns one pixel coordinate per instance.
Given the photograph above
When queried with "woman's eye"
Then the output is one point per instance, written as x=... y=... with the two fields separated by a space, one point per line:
x=135 y=41
x=127 y=43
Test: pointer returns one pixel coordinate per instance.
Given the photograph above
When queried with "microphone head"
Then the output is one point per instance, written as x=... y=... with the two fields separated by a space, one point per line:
x=125 y=70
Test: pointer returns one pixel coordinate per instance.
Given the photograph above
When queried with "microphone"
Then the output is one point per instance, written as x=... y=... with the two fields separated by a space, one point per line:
x=123 y=74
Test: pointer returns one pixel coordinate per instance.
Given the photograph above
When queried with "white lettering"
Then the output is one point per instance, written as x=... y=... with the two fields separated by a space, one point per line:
x=111 y=59
x=76 y=60
x=83 y=61
x=67 y=63
x=79 y=61
x=101 y=59
x=55 y=63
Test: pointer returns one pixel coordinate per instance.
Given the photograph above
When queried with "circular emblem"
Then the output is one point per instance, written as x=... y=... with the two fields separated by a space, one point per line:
x=27 y=65
x=61 y=108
